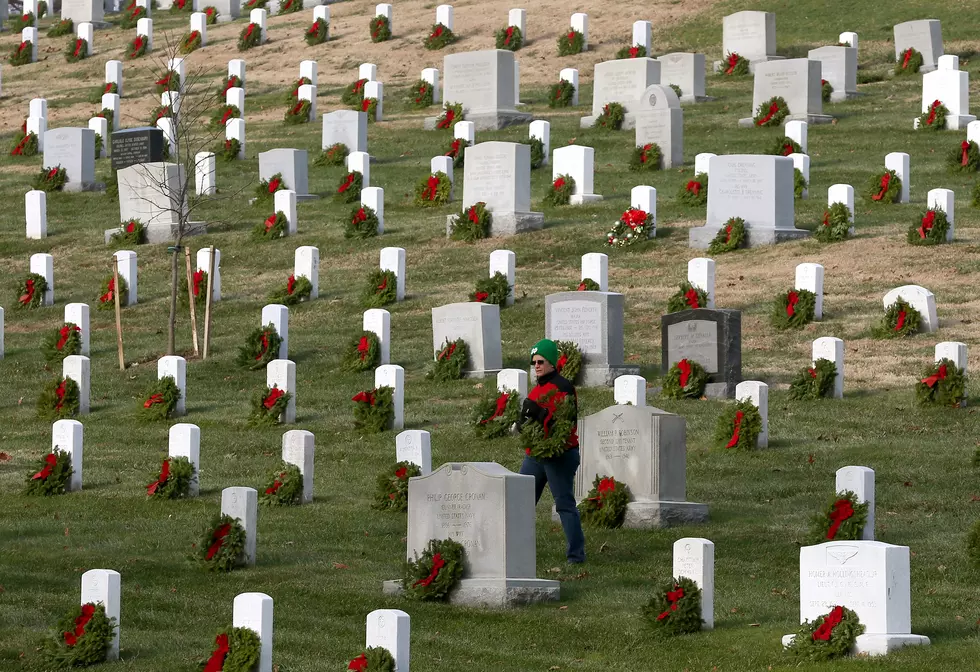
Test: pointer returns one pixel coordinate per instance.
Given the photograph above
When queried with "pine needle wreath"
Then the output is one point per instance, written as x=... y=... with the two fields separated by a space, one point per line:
x=63 y=27
x=827 y=637
x=908 y=62
x=433 y=190
x=64 y=341
x=793 y=309
x=814 y=382
x=223 y=546
x=542 y=442
x=730 y=237
x=199 y=282
x=51 y=476
x=25 y=20
x=374 y=659
x=646 y=157
x=82 y=637
x=772 y=112
x=232 y=82
x=268 y=405
x=635 y=51
x=290 y=6
x=223 y=114
x=76 y=50
x=884 y=187
x=50 y=179
x=181 y=6
x=687 y=297
x=354 y=93
x=26 y=145
x=58 y=399
x=633 y=226
x=273 y=227
x=450 y=361
x=317 y=33
x=836 y=224
x=800 y=183
x=586 y=285
x=211 y=14
x=298 y=112
x=735 y=65
x=739 y=426
x=495 y=413
x=943 y=384
x=605 y=505
x=363 y=353
x=695 y=192
x=284 y=487
x=349 y=189
x=21 y=54
x=561 y=94
x=785 y=146
x=334 y=155
x=561 y=190
x=900 y=320
x=493 y=290
x=931 y=229
x=471 y=225
x=380 y=290
x=569 y=363
x=509 y=38
x=31 y=290
x=380 y=28
x=537 y=152
x=131 y=16
x=420 y=95
x=250 y=37
x=107 y=296
x=457 y=151
x=934 y=118
x=230 y=149
x=137 y=48
x=611 y=118
x=451 y=113
x=374 y=410
x=686 y=379
x=160 y=112
x=675 y=609
x=965 y=158
x=174 y=479
x=571 y=43
x=266 y=189
x=370 y=107
x=433 y=575
x=843 y=519
x=362 y=222
x=826 y=90
x=391 y=493
x=440 y=36
x=261 y=347
x=159 y=401
x=235 y=650
x=169 y=82
x=131 y=232
x=296 y=290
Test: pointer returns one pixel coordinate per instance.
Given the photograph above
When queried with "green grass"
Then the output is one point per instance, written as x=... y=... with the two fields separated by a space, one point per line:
x=324 y=564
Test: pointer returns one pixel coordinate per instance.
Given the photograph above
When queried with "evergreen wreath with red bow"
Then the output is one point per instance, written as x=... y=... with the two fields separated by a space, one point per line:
x=908 y=62
x=800 y=183
x=64 y=341
x=785 y=146
x=420 y=95
x=82 y=637
x=646 y=157
x=266 y=189
x=561 y=190
x=735 y=65
x=569 y=363
x=174 y=479
x=493 y=290
x=169 y=82
x=349 y=189
x=223 y=547
x=571 y=43
x=261 y=347
x=842 y=520
x=686 y=379
x=284 y=487
x=273 y=227
x=159 y=112
x=449 y=361
x=50 y=179
x=433 y=190
x=675 y=609
x=334 y=155
x=380 y=28
x=695 y=192
x=131 y=15
x=232 y=82
x=965 y=158
x=370 y=107
x=561 y=93
x=605 y=505
x=739 y=426
x=235 y=650
x=362 y=222
x=633 y=226
x=586 y=285
x=354 y=93
x=268 y=405
x=495 y=413
x=317 y=33
x=931 y=228
x=76 y=50
x=230 y=149
x=26 y=145
x=509 y=38
x=131 y=232
x=544 y=440
x=179 y=6
x=451 y=113
x=374 y=410
x=363 y=353
x=223 y=114
x=392 y=491
x=884 y=187
x=30 y=291
x=900 y=320
x=934 y=118
x=199 y=287
x=472 y=224
x=634 y=51
x=109 y=87
x=793 y=309
x=64 y=27
x=456 y=151
x=537 y=151
x=51 y=476
x=814 y=382
x=107 y=114
x=296 y=290
x=730 y=237
x=439 y=37
x=137 y=48
x=836 y=224
x=687 y=297
x=290 y=6
x=826 y=90
x=827 y=637
x=943 y=384
x=21 y=54
x=107 y=295
x=434 y=574
x=25 y=20
x=771 y=112
x=249 y=37
x=611 y=118
x=159 y=401
x=58 y=399
x=211 y=13
x=380 y=290
x=374 y=659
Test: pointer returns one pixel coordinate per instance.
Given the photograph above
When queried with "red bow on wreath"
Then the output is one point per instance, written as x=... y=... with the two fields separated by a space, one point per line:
x=454 y=149
x=634 y=52
x=78 y=46
x=508 y=34
x=739 y=415
x=571 y=35
x=936 y=377
x=842 y=511
x=685 y=369
x=401 y=473
x=276 y=484
x=562 y=361
x=164 y=475
x=481 y=296
x=366 y=397
x=348 y=181
x=732 y=62
x=363 y=346
x=932 y=112
x=643 y=152
x=606 y=486
x=437 y=564
x=499 y=410
x=927 y=223
x=966 y=153
x=773 y=109
x=265 y=346
x=826 y=218
x=694 y=187
x=905 y=59
x=50 y=461
x=900 y=322
x=634 y=218
x=248 y=31
x=274 y=395
x=59 y=394
x=431 y=186
x=447 y=119
x=290 y=284
x=71 y=638
x=156 y=398
x=29 y=296
x=473 y=216
x=792 y=299
x=137 y=44
x=270 y=222
x=359 y=664
x=581 y=286
x=691 y=298
x=885 y=180
x=198 y=277
x=359 y=216
x=558 y=184
x=728 y=233
x=437 y=32
x=217 y=660
x=448 y=351
x=673 y=597
x=830 y=621
x=313 y=29
x=219 y=539
x=64 y=333
x=52 y=173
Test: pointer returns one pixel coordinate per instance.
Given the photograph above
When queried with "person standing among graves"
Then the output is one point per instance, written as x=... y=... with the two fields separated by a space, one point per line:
x=557 y=472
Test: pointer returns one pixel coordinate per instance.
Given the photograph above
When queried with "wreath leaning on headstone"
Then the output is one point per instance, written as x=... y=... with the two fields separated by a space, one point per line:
x=675 y=609
x=884 y=187
x=944 y=384
x=772 y=112
x=451 y=113
x=370 y=106
x=633 y=226
x=827 y=637
x=440 y=36
x=230 y=149
x=58 y=399
x=509 y=38
x=785 y=146
x=250 y=37
x=64 y=341
x=261 y=347
x=561 y=190
x=223 y=546
x=334 y=155
x=605 y=505
x=965 y=158
x=363 y=353
x=268 y=405
x=571 y=43
x=908 y=62
x=729 y=237
x=569 y=362
x=284 y=487
x=456 y=152
x=537 y=151
x=107 y=297
x=646 y=157
x=349 y=189
x=934 y=118
x=50 y=179
x=434 y=574
x=374 y=410
x=354 y=93
x=159 y=401
x=450 y=361
x=235 y=650
x=932 y=229
x=317 y=33
x=472 y=224
x=739 y=426
x=82 y=637
x=174 y=479
x=586 y=285
x=814 y=382
x=26 y=145
x=52 y=476
x=266 y=189
x=685 y=380
x=836 y=224
x=298 y=112
x=21 y=54
x=199 y=285
x=381 y=289
x=800 y=183
x=495 y=413
x=842 y=520
x=632 y=51
x=433 y=190
x=131 y=232
x=190 y=42
x=380 y=28
x=612 y=117
x=137 y=48
x=826 y=90
x=493 y=290
x=391 y=493
x=793 y=309
x=362 y=222
x=64 y=27
x=561 y=93
x=420 y=95
x=900 y=320
x=735 y=65
x=687 y=297
x=374 y=659
x=544 y=440
x=695 y=192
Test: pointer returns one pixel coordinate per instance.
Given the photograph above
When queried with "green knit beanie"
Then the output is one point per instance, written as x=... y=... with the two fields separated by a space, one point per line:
x=547 y=349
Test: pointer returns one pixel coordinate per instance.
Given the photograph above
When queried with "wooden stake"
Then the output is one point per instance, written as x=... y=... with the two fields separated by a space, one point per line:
x=207 y=304
x=191 y=297
x=115 y=294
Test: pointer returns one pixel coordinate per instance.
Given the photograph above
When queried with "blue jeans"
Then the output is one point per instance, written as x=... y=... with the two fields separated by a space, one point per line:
x=559 y=474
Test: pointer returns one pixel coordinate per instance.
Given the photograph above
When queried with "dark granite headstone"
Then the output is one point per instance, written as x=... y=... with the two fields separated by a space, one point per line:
x=136 y=145
x=712 y=338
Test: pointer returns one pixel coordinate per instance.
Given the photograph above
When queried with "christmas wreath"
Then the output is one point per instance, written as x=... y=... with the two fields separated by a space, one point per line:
x=793 y=309
x=944 y=384
x=450 y=360
x=695 y=192
x=298 y=112
x=199 y=284
x=605 y=505
x=62 y=342
x=31 y=290
x=58 y=399
x=159 y=113
x=932 y=228
x=223 y=546
x=21 y=54
x=785 y=146
x=82 y=637
x=317 y=33
x=814 y=382
x=374 y=659
x=456 y=152
x=381 y=289
x=296 y=290
x=107 y=114
x=292 y=94
x=181 y=6
x=472 y=224
x=687 y=297
x=266 y=189
x=380 y=28
x=569 y=362
x=261 y=347
x=561 y=190
x=900 y=319
x=611 y=118
x=826 y=90
x=586 y=285
x=836 y=224
x=434 y=574
x=211 y=15
x=827 y=637
x=290 y=6
x=646 y=157
x=493 y=290
x=284 y=487
x=131 y=16
x=934 y=119
x=635 y=51
x=52 y=475
x=63 y=27
x=451 y=113
x=633 y=226
x=729 y=237
x=909 y=62
x=249 y=37
x=433 y=190
x=965 y=158
x=884 y=187
x=268 y=406
x=131 y=232
x=842 y=520
x=772 y=112
x=735 y=65
x=137 y=48
x=174 y=480
x=571 y=43
x=233 y=82
x=76 y=50
x=223 y=114
x=159 y=401
x=374 y=410
x=50 y=179
x=354 y=94
x=739 y=426
x=107 y=297
x=361 y=223
x=169 y=82
x=675 y=609
x=349 y=189
x=364 y=352
x=685 y=380
x=235 y=650
x=334 y=155
x=561 y=94
x=230 y=149
x=255 y=4
x=25 y=20
x=420 y=95
x=495 y=413
x=392 y=491
x=509 y=38
x=439 y=37
x=190 y=42
x=26 y=145
x=537 y=152
x=544 y=440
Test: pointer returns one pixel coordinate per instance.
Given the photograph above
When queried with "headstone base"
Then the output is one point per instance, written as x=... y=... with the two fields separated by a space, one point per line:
x=696 y=99
x=841 y=96
x=495 y=592
x=877 y=645
x=604 y=376
x=76 y=187
x=163 y=233
x=655 y=515
x=487 y=121
x=954 y=122
x=582 y=199
x=748 y=122
x=629 y=122
x=700 y=237
x=718 y=65
x=508 y=223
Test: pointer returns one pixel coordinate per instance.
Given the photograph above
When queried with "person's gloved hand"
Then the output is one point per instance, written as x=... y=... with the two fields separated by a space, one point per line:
x=530 y=410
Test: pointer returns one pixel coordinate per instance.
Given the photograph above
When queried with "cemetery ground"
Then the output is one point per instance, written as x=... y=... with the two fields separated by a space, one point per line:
x=324 y=563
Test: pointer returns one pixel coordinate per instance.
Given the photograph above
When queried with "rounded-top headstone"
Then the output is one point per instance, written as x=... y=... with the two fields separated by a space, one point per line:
x=658 y=97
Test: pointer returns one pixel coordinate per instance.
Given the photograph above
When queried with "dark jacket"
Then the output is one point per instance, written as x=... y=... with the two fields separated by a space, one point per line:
x=538 y=407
